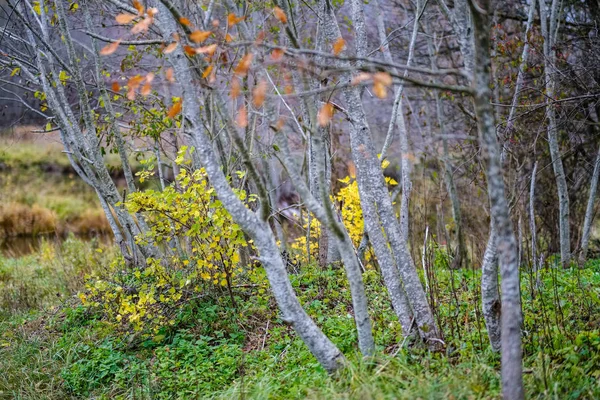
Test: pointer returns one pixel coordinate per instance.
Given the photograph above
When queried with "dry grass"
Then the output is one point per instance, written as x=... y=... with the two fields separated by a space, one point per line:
x=19 y=219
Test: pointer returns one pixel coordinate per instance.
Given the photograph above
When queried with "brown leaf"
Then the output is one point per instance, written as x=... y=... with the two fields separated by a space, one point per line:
x=146 y=89
x=110 y=48
x=280 y=15
x=325 y=114
x=242 y=117
x=174 y=110
x=244 y=65
x=185 y=21
x=338 y=46
x=169 y=75
x=277 y=54
x=258 y=94
x=124 y=19
x=260 y=37
x=170 y=48
x=199 y=36
x=115 y=87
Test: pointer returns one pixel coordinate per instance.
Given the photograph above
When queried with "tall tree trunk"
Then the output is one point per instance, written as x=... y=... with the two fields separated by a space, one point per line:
x=512 y=376
x=589 y=211
x=549 y=32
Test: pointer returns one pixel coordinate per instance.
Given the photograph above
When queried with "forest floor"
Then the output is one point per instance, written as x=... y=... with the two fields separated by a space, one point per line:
x=52 y=347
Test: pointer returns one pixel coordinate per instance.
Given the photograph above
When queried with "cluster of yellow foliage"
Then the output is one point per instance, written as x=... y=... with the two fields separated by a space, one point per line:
x=201 y=246
x=348 y=205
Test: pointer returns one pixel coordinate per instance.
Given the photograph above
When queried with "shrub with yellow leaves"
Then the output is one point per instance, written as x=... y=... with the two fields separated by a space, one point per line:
x=201 y=248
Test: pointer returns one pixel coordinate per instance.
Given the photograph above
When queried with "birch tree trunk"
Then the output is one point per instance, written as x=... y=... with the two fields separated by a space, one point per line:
x=512 y=379
x=549 y=33
x=374 y=195
x=589 y=211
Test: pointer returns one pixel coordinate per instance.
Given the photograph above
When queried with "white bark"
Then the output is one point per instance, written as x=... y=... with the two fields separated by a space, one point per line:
x=549 y=34
x=512 y=377
x=589 y=211
x=374 y=194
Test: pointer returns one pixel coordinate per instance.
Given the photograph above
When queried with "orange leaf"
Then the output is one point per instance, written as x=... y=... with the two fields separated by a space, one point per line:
x=125 y=18
x=142 y=26
x=288 y=89
x=146 y=89
x=380 y=90
x=235 y=88
x=233 y=19
x=325 y=114
x=260 y=37
x=383 y=77
x=134 y=82
x=338 y=46
x=244 y=65
x=170 y=48
x=381 y=81
x=280 y=15
x=280 y=124
x=277 y=54
x=199 y=36
x=185 y=21
x=207 y=71
x=115 y=87
x=242 y=117
x=152 y=11
x=228 y=38
x=131 y=94
x=258 y=94
x=169 y=75
x=189 y=50
x=173 y=111
x=150 y=77
x=110 y=48
x=138 y=6
x=210 y=49
x=363 y=76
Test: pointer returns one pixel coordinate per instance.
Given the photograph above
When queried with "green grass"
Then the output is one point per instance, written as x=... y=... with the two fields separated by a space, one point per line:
x=54 y=348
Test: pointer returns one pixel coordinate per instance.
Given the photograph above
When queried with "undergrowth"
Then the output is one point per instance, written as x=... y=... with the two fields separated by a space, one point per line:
x=52 y=347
